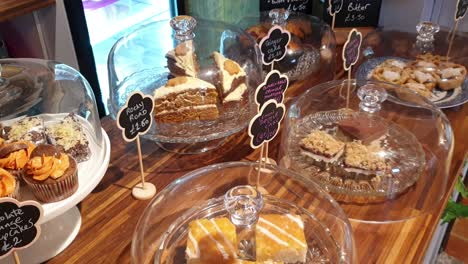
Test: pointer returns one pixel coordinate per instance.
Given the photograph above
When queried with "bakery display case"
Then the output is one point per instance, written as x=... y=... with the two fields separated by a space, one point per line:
x=419 y=62
x=246 y=215
x=311 y=54
x=201 y=74
x=52 y=147
x=384 y=157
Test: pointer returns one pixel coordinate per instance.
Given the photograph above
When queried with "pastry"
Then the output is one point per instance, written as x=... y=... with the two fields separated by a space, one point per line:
x=280 y=238
x=299 y=27
x=391 y=74
x=452 y=75
x=51 y=174
x=182 y=61
x=9 y=185
x=185 y=99
x=258 y=32
x=321 y=146
x=69 y=136
x=358 y=158
x=427 y=78
x=394 y=63
x=418 y=88
x=426 y=66
x=232 y=79
x=26 y=129
x=429 y=57
x=211 y=241
x=15 y=155
x=362 y=128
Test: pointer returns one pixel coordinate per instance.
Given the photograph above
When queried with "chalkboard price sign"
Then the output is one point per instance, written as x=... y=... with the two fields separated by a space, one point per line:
x=355 y=13
x=135 y=118
x=462 y=6
x=334 y=6
x=18 y=224
x=351 y=49
x=273 y=46
x=274 y=87
x=300 y=6
x=265 y=125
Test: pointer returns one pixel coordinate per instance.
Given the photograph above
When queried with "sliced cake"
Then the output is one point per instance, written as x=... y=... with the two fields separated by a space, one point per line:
x=69 y=136
x=362 y=128
x=185 y=99
x=211 y=241
x=280 y=237
x=358 y=158
x=322 y=146
x=26 y=129
x=231 y=77
x=182 y=61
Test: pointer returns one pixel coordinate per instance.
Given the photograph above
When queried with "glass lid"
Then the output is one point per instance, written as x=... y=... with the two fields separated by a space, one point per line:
x=431 y=61
x=201 y=74
x=311 y=50
x=385 y=157
x=246 y=215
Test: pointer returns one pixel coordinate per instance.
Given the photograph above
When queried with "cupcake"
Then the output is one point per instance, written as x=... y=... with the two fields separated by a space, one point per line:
x=51 y=174
x=15 y=155
x=9 y=185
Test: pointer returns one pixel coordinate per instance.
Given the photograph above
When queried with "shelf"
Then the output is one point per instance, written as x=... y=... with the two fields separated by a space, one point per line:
x=12 y=8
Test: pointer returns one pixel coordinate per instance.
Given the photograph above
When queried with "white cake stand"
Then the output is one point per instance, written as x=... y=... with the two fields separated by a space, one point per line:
x=62 y=220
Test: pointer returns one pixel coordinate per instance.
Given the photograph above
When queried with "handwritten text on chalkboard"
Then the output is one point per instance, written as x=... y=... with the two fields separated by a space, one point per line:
x=135 y=118
x=334 y=6
x=462 y=6
x=273 y=46
x=274 y=87
x=301 y=6
x=266 y=124
x=18 y=224
x=351 y=49
x=357 y=13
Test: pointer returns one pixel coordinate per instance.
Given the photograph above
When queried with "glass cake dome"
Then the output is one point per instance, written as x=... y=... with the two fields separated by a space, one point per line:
x=384 y=157
x=311 y=51
x=235 y=218
x=417 y=59
x=202 y=75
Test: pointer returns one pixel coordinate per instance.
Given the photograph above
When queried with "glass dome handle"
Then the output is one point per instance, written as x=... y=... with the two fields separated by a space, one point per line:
x=425 y=39
x=183 y=27
x=371 y=98
x=279 y=16
x=243 y=204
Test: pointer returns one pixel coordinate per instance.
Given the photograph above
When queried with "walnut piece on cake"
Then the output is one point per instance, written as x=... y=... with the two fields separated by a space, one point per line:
x=211 y=241
x=322 y=146
x=26 y=129
x=232 y=79
x=182 y=61
x=280 y=237
x=68 y=135
x=359 y=158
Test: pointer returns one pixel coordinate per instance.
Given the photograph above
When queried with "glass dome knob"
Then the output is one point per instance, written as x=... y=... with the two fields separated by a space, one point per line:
x=371 y=97
x=279 y=16
x=183 y=27
x=243 y=204
x=426 y=31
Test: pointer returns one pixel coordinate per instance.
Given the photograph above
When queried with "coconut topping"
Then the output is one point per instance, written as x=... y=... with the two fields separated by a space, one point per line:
x=359 y=156
x=322 y=143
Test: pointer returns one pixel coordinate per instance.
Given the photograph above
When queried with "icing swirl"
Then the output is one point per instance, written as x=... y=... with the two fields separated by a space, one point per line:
x=17 y=159
x=7 y=183
x=41 y=168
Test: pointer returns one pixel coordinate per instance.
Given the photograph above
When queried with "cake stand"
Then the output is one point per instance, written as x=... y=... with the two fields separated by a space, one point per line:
x=62 y=220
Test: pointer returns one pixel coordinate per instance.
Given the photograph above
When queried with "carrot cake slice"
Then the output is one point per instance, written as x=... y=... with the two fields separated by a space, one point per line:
x=185 y=99
x=182 y=61
x=211 y=241
x=322 y=146
x=231 y=76
x=280 y=237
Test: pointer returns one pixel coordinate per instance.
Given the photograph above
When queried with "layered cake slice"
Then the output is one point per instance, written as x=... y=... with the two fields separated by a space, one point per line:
x=182 y=61
x=26 y=129
x=280 y=238
x=185 y=99
x=362 y=128
x=321 y=146
x=69 y=136
x=359 y=158
x=231 y=77
x=211 y=241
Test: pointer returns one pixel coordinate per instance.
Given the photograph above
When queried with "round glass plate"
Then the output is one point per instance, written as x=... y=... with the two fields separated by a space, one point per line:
x=441 y=98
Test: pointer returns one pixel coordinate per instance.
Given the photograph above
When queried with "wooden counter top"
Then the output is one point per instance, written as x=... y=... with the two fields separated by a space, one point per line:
x=13 y=8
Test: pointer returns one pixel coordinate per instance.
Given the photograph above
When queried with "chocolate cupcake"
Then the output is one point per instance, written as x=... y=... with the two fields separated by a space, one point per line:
x=51 y=174
x=9 y=185
x=15 y=155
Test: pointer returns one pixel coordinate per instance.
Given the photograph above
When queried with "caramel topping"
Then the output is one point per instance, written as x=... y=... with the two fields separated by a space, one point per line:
x=231 y=67
x=7 y=183
x=177 y=81
x=17 y=159
x=44 y=167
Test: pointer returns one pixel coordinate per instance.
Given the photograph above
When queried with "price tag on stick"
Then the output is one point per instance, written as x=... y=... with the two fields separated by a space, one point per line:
x=18 y=225
x=460 y=12
x=274 y=87
x=274 y=45
x=135 y=119
x=334 y=7
x=350 y=56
